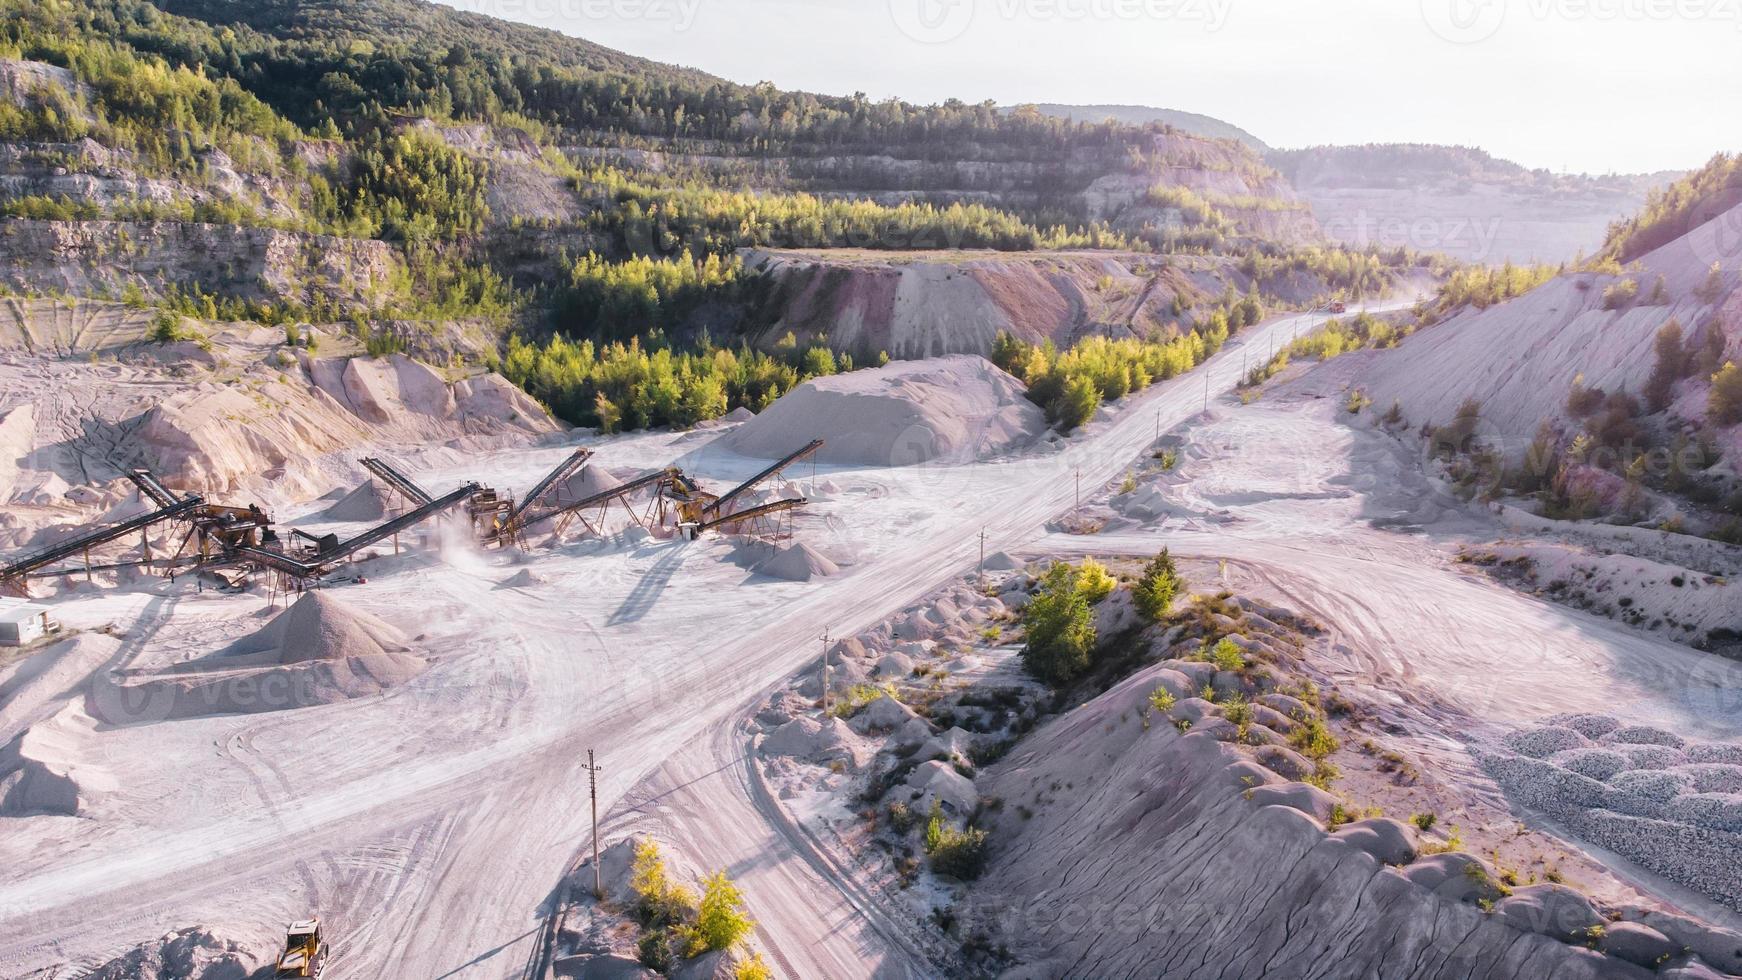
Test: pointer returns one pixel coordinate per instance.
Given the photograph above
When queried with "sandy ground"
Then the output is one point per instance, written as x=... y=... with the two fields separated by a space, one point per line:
x=428 y=826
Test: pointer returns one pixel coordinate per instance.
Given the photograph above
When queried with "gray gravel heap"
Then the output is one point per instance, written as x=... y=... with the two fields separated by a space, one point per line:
x=1673 y=806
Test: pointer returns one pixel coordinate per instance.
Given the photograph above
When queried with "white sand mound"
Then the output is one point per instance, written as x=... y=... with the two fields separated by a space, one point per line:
x=190 y=954
x=813 y=741
x=526 y=578
x=798 y=563
x=319 y=651
x=319 y=626
x=369 y=502
x=17 y=435
x=953 y=409
x=41 y=771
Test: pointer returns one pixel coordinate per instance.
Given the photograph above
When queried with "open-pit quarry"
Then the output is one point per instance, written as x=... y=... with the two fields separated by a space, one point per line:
x=397 y=743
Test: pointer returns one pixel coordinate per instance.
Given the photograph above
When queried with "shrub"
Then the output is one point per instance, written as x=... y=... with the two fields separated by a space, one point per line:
x=654 y=951
x=1078 y=403
x=720 y=919
x=1424 y=821
x=1161 y=699
x=1667 y=370
x=1059 y=629
x=1227 y=655
x=166 y=328
x=660 y=901
x=1712 y=289
x=1724 y=404
x=1154 y=592
x=900 y=816
x=959 y=853
x=1312 y=737
x=1620 y=294
x=754 y=968
x=1094 y=582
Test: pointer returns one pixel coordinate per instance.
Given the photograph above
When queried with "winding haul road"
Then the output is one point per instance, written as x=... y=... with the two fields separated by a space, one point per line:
x=430 y=827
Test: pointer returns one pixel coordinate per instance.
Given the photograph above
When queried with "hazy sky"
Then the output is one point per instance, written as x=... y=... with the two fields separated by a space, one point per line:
x=1582 y=85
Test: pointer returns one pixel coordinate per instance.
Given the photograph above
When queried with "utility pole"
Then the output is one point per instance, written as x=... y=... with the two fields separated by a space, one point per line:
x=980 y=572
x=593 y=791
x=825 y=673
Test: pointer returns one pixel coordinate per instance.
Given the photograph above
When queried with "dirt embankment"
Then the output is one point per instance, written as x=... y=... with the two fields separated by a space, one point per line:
x=928 y=304
x=1520 y=359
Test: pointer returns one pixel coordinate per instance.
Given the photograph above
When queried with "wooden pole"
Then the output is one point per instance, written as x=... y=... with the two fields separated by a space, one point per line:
x=980 y=573
x=593 y=792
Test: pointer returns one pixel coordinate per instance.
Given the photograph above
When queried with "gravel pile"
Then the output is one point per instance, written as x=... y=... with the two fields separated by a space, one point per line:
x=1671 y=806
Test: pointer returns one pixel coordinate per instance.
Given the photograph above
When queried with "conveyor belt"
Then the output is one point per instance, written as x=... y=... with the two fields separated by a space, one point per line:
x=713 y=510
x=344 y=549
x=396 y=481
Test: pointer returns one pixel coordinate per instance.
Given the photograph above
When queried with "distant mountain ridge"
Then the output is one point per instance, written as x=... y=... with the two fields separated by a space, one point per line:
x=1195 y=123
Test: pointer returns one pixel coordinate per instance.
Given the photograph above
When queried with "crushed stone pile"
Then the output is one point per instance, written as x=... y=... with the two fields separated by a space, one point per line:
x=319 y=651
x=369 y=502
x=798 y=563
x=189 y=954
x=589 y=481
x=526 y=578
x=950 y=409
x=1671 y=805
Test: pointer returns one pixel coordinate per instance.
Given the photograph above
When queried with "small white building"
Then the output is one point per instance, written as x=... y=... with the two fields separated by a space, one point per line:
x=22 y=622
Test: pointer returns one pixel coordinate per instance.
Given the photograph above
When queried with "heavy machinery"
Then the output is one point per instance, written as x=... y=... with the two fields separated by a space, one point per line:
x=15 y=575
x=506 y=521
x=328 y=551
x=305 y=952
x=699 y=510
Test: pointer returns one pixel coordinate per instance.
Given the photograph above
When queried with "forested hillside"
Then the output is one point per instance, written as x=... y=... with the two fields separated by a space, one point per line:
x=435 y=179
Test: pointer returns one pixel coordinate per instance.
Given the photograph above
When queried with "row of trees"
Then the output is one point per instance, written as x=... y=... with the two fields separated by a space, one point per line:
x=648 y=216
x=1071 y=385
x=1483 y=286
x=619 y=300
x=627 y=386
x=1672 y=211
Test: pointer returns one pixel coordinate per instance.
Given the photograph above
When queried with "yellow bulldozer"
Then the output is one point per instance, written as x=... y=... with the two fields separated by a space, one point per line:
x=305 y=952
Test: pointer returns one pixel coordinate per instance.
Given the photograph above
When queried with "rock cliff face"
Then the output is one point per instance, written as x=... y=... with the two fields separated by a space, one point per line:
x=104 y=257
